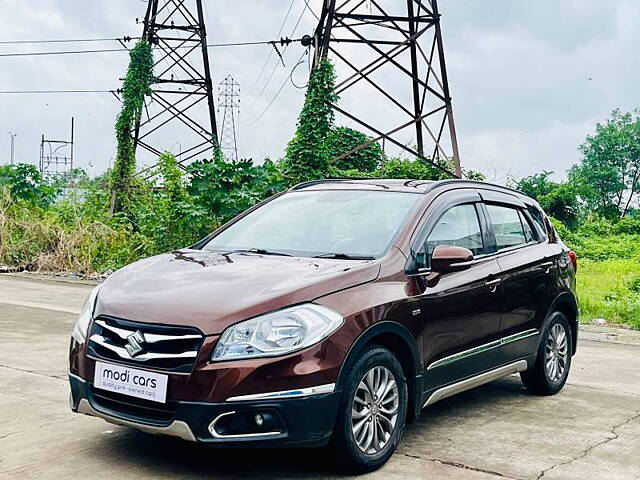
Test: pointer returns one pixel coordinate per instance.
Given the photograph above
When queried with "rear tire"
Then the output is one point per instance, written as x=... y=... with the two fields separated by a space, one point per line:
x=372 y=412
x=549 y=374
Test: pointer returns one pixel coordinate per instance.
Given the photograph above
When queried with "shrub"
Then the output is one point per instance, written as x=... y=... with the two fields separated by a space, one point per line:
x=634 y=284
x=24 y=182
x=342 y=140
x=52 y=240
x=221 y=190
x=628 y=225
x=416 y=169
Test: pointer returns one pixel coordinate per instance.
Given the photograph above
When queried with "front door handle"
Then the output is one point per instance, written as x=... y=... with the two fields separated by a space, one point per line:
x=492 y=285
x=547 y=266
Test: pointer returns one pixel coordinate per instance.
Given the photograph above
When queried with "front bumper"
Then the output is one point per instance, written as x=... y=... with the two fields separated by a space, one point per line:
x=305 y=421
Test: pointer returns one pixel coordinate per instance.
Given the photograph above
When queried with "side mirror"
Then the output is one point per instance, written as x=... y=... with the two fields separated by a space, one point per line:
x=447 y=258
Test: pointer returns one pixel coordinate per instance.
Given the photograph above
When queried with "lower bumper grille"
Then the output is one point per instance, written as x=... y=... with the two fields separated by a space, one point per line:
x=133 y=408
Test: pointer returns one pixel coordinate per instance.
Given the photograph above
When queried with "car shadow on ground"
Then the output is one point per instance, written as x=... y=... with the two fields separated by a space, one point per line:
x=167 y=456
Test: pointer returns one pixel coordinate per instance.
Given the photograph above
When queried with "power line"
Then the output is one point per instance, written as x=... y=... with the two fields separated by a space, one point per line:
x=311 y=10
x=20 y=92
x=266 y=61
x=126 y=38
x=68 y=52
x=300 y=61
x=275 y=67
x=109 y=50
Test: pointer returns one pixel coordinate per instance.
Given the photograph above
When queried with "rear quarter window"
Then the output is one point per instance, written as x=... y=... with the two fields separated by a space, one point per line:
x=507 y=226
x=539 y=218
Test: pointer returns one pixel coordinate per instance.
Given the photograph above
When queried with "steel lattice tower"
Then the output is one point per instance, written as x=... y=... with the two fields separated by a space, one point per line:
x=56 y=156
x=391 y=52
x=229 y=102
x=176 y=31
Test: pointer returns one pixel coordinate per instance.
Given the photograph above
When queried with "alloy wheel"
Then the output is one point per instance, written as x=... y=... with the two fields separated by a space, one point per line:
x=374 y=411
x=556 y=353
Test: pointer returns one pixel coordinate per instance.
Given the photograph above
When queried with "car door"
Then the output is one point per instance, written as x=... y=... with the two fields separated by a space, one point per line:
x=528 y=272
x=460 y=310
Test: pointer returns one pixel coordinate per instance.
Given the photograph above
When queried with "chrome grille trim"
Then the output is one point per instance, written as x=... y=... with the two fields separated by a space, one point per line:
x=122 y=352
x=162 y=347
x=149 y=337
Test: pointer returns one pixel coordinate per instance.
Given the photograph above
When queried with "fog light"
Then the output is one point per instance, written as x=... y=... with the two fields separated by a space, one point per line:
x=259 y=420
x=247 y=423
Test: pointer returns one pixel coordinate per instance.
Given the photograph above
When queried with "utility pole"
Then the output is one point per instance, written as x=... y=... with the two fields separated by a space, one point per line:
x=229 y=101
x=12 y=136
x=176 y=31
x=396 y=59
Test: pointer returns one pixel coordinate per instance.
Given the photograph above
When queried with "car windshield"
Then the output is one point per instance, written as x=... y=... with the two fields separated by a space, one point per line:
x=346 y=224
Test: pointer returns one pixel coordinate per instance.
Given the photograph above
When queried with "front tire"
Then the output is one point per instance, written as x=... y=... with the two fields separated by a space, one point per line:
x=372 y=412
x=550 y=372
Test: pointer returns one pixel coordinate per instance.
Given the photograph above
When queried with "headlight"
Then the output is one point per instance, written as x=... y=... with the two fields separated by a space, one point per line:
x=86 y=314
x=277 y=333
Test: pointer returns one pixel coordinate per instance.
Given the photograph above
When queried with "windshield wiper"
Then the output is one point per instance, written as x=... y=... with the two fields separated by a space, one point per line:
x=259 y=251
x=344 y=256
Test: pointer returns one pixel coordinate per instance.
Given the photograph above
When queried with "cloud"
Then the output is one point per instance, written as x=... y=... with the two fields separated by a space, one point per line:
x=528 y=79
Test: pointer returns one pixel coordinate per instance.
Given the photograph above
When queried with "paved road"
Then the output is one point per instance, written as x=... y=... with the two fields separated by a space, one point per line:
x=590 y=430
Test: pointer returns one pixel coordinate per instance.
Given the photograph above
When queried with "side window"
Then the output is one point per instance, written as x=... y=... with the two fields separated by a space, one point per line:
x=507 y=226
x=538 y=217
x=528 y=231
x=459 y=226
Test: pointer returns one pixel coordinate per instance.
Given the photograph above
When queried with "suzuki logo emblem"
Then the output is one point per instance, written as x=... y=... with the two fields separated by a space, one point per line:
x=134 y=344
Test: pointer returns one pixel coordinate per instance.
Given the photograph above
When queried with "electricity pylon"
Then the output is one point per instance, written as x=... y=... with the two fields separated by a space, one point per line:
x=391 y=66
x=229 y=102
x=182 y=80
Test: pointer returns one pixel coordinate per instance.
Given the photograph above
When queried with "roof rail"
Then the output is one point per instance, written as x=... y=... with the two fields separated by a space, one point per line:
x=474 y=182
x=417 y=183
x=311 y=183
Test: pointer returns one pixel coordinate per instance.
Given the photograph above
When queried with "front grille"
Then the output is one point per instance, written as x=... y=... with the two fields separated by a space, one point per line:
x=160 y=347
x=136 y=409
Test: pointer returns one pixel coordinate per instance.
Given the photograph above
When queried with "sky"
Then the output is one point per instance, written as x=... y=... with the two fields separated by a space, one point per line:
x=529 y=80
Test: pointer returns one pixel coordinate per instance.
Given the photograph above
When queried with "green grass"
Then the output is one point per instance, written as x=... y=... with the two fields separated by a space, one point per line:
x=610 y=289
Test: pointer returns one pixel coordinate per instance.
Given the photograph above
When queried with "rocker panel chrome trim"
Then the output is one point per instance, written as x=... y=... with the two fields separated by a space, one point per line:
x=469 y=383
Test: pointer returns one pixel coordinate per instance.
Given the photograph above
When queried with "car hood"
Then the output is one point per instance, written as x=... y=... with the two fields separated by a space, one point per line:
x=211 y=291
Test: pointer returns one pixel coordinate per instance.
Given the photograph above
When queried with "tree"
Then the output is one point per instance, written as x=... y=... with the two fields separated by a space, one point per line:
x=419 y=169
x=608 y=175
x=342 y=140
x=136 y=85
x=415 y=169
x=24 y=182
x=559 y=200
x=307 y=155
x=223 y=189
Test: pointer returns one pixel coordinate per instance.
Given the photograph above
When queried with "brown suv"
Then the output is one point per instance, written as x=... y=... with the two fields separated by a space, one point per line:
x=331 y=314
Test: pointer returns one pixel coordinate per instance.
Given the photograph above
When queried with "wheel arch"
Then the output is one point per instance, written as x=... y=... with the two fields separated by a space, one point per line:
x=567 y=304
x=399 y=340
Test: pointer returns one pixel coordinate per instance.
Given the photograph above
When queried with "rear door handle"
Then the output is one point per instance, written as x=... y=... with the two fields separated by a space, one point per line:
x=492 y=285
x=547 y=266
